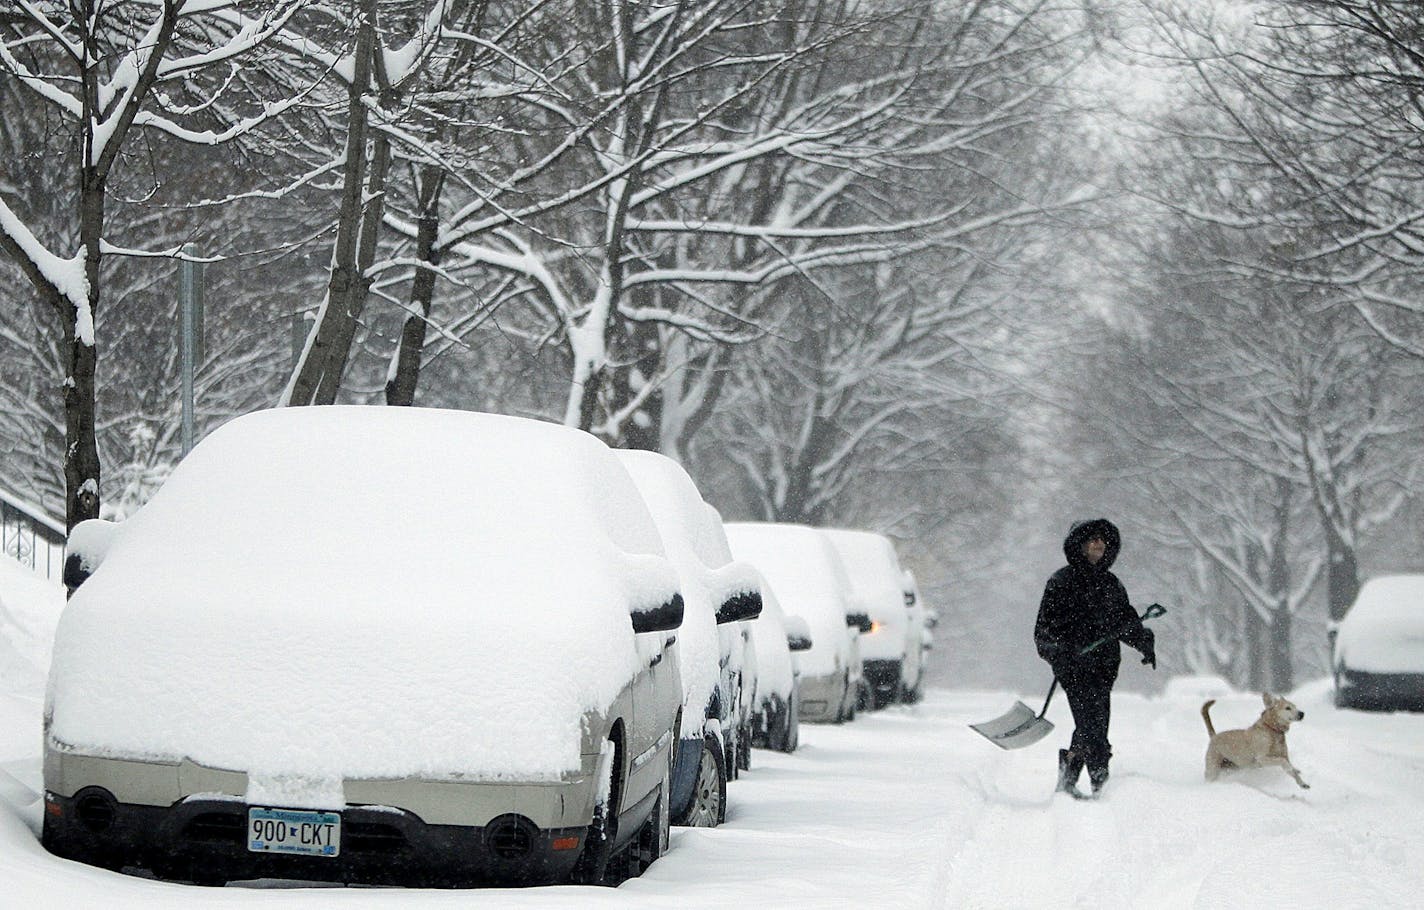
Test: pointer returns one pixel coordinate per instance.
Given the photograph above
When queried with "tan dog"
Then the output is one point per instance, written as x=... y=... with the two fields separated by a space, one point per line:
x=1261 y=744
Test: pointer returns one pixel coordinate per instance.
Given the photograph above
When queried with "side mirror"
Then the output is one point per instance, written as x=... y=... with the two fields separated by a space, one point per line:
x=798 y=634
x=85 y=549
x=909 y=598
x=665 y=617
x=738 y=607
x=859 y=621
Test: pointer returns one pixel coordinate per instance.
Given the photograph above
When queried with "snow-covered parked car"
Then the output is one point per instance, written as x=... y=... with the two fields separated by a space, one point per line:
x=1379 y=646
x=718 y=596
x=892 y=650
x=923 y=620
x=810 y=581
x=776 y=699
x=381 y=645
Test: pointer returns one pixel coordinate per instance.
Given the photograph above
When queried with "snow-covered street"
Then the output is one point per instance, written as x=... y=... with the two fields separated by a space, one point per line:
x=910 y=808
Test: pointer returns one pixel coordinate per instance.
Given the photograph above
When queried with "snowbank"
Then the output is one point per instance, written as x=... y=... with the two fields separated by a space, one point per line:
x=365 y=592
x=29 y=611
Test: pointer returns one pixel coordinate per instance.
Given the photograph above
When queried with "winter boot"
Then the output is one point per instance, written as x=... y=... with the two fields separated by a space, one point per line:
x=1070 y=765
x=1098 y=777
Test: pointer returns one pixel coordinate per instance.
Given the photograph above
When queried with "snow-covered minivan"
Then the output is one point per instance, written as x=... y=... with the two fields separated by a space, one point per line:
x=810 y=582
x=891 y=651
x=719 y=597
x=378 y=645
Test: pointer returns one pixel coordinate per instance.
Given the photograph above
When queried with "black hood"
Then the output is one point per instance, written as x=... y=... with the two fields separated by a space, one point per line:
x=1086 y=530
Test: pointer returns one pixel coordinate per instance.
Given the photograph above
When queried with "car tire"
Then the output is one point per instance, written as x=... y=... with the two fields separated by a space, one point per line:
x=730 y=755
x=709 y=793
x=744 y=747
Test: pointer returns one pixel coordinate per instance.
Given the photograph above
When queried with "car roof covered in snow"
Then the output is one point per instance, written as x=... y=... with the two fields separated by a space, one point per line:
x=365 y=591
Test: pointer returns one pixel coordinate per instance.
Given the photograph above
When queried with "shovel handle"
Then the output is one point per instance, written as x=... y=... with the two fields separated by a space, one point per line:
x=1152 y=612
x=1051 y=689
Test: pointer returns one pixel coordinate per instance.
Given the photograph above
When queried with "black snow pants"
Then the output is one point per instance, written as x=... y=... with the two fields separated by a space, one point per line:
x=1089 y=690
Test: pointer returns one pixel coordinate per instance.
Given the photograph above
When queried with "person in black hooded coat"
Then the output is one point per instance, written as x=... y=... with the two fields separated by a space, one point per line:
x=1082 y=603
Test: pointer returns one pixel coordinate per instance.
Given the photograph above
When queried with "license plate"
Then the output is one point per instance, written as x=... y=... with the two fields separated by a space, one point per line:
x=293 y=831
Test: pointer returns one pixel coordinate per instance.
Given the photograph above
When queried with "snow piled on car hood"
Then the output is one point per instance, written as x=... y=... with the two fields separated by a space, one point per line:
x=1384 y=630
x=365 y=592
x=810 y=582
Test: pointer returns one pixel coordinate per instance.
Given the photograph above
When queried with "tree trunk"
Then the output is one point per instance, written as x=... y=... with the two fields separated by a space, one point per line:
x=1282 y=675
x=1342 y=574
x=1255 y=651
x=400 y=389
x=81 y=446
x=81 y=450
x=324 y=354
x=642 y=429
x=1278 y=582
x=358 y=282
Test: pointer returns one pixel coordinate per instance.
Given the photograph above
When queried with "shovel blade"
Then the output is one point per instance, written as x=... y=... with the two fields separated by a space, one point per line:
x=1015 y=729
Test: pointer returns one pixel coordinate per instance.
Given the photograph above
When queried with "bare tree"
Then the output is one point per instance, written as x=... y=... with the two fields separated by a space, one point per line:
x=113 y=71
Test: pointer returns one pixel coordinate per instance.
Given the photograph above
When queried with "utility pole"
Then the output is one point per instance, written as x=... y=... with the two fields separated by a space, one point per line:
x=190 y=321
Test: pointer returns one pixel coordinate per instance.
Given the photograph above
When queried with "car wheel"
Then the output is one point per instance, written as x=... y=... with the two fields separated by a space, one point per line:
x=744 y=748
x=730 y=757
x=592 y=867
x=709 y=794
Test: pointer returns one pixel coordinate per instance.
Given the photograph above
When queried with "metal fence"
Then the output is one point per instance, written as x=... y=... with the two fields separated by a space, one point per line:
x=30 y=536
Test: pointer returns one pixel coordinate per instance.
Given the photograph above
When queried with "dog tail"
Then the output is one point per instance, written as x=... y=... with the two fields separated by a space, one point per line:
x=1210 y=730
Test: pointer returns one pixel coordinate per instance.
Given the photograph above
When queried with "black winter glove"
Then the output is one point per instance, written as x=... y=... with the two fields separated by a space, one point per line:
x=1149 y=655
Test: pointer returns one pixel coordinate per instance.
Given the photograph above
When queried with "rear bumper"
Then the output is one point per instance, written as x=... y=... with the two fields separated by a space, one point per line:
x=883 y=677
x=823 y=698
x=206 y=840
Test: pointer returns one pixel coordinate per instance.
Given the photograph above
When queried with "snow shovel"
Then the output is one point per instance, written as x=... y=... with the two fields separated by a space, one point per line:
x=1019 y=726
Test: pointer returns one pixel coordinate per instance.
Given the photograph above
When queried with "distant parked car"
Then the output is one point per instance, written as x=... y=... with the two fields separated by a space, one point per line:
x=718 y=595
x=1379 y=646
x=777 y=639
x=810 y=581
x=892 y=650
x=925 y=619
x=379 y=645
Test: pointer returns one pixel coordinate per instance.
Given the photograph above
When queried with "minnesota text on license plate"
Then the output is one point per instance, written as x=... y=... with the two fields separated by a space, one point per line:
x=293 y=831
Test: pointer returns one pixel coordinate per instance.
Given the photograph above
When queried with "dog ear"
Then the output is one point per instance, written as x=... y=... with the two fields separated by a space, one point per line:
x=1267 y=698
